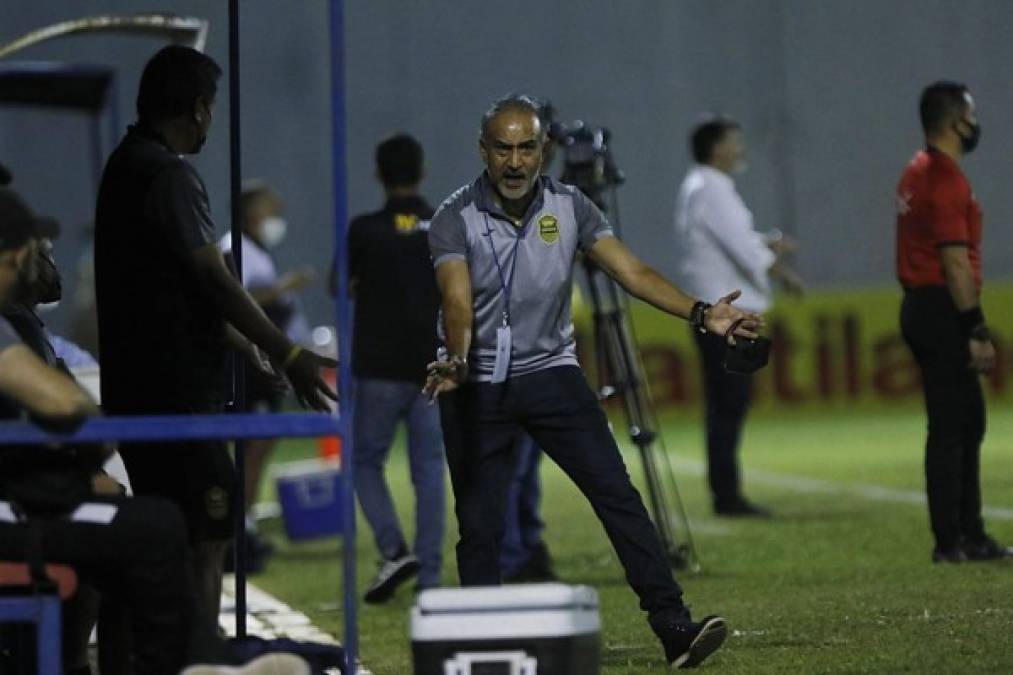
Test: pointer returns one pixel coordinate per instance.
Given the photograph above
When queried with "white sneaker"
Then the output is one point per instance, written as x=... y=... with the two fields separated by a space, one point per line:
x=268 y=664
x=392 y=574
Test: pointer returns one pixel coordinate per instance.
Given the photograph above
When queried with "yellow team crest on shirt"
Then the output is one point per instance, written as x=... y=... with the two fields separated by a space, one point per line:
x=405 y=223
x=548 y=229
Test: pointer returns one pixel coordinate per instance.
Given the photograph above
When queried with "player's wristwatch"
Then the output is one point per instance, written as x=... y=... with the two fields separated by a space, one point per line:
x=972 y=321
x=698 y=315
x=460 y=365
x=980 y=333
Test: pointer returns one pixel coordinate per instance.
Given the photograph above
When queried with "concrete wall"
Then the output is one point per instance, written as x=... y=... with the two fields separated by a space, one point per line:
x=827 y=92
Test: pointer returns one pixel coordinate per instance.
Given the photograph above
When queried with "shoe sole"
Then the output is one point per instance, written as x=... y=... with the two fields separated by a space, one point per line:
x=711 y=636
x=385 y=591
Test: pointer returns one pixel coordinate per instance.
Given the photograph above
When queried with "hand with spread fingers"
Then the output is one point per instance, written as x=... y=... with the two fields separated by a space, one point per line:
x=723 y=318
x=303 y=371
x=262 y=369
x=444 y=376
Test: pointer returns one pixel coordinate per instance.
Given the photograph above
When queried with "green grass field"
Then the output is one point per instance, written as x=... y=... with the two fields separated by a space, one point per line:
x=839 y=582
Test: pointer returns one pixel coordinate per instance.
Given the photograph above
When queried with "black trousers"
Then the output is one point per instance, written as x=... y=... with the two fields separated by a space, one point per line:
x=557 y=408
x=727 y=398
x=956 y=414
x=138 y=560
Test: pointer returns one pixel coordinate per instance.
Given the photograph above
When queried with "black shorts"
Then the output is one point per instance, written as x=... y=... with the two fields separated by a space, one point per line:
x=198 y=476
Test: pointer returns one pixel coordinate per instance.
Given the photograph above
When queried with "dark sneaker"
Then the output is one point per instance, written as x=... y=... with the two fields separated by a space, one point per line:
x=985 y=549
x=687 y=643
x=392 y=574
x=948 y=555
x=741 y=509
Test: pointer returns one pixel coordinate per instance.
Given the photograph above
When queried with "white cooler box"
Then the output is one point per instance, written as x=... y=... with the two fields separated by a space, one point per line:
x=533 y=629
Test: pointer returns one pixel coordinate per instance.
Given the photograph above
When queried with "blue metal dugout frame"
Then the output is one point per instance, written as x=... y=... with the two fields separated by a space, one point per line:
x=244 y=426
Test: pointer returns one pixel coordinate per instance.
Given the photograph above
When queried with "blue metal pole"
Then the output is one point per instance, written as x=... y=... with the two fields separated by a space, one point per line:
x=238 y=383
x=343 y=324
x=48 y=636
x=143 y=428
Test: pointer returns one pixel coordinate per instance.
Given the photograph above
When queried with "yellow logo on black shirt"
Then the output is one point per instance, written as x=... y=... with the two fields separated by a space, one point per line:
x=548 y=229
x=405 y=223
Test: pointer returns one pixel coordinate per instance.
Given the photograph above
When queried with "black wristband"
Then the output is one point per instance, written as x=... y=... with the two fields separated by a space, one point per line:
x=698 y=314
x=970 y=319
x=981 y=333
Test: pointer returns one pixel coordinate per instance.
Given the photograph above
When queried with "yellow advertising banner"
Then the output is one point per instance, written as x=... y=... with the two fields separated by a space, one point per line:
x=831 y=350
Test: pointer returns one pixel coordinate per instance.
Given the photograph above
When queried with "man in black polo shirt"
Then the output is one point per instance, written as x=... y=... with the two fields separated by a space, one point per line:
x=395 y=337
x=168 y=305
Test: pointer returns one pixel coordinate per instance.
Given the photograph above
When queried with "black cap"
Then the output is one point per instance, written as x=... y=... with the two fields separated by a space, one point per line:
x=5 y=175
x=17 y=222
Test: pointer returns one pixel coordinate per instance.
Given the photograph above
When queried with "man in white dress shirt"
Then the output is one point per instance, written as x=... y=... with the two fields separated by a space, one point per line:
x=717 y=248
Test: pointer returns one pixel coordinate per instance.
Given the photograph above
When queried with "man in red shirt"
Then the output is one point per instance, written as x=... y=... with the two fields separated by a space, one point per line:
x=939 y=266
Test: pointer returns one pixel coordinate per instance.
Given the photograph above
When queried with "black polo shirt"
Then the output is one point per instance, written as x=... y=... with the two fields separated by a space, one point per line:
x=161 y=339
x=396 y=300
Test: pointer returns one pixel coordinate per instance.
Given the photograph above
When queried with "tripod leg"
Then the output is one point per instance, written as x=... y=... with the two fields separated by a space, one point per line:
x=617 y=349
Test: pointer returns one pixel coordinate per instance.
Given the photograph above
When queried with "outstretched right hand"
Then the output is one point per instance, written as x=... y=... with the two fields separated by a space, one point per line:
x=310 y=388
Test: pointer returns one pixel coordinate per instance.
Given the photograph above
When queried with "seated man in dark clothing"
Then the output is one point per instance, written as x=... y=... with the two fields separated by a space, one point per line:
x=80 y=611
x=133 y=550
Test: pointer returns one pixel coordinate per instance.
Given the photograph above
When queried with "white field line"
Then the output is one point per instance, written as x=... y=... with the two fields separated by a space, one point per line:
x=709 y=528
x=809 y=485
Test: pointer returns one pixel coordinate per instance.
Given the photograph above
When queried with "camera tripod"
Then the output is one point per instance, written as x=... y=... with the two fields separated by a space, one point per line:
x=590 y=166
x=620 y=374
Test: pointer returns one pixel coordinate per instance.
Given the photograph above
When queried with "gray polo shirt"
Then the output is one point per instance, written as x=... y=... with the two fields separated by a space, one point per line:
x=561 y=219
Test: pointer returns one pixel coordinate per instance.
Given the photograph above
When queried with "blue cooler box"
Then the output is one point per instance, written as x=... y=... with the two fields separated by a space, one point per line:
x=310 y=496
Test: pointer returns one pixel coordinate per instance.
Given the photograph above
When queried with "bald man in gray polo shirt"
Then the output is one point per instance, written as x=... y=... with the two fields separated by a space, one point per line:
x=504 y=248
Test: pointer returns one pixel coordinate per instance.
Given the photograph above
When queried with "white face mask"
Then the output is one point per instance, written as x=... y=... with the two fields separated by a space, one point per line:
x=272 y=231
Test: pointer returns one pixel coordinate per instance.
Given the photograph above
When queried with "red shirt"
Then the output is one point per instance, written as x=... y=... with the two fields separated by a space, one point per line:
x=935 y=208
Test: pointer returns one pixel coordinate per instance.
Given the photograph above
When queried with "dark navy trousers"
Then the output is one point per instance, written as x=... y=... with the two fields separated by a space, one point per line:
x=481 y=422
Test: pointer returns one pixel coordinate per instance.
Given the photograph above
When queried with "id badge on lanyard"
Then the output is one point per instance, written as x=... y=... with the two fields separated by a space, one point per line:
x=503 y=345
x=504 y=336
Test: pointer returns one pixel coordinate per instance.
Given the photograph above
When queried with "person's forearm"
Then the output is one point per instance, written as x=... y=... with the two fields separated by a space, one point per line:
x=648 y=285
x=237 y=340
x=265 y=295
x=784 y=273
x=960 y=283
x=246 y=316
x=457 y=321
x=45 y=392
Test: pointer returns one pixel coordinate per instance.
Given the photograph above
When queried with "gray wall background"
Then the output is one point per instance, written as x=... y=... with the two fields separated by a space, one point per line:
x=826 y=90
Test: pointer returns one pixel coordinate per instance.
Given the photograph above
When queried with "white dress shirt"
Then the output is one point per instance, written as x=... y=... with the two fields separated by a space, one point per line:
x=717 y=249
